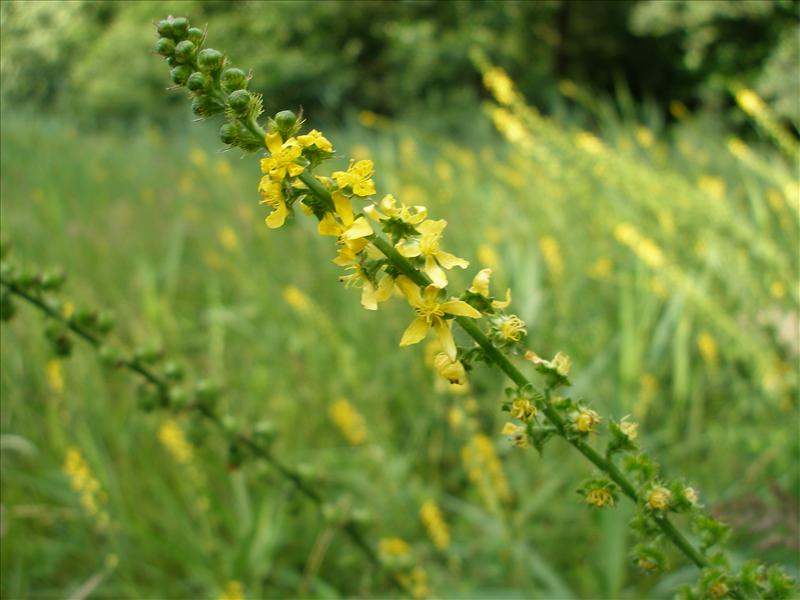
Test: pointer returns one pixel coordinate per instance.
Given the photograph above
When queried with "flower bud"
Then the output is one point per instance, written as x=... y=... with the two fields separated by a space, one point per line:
x=109 y=355
x=180 y=27
x=165 y=46
x=184 y=51
x=286 y=120
x=210 y=60
x=171 y=61
x=173 y=370
x=239 y=101
x=198 y=82
x=147 y=354
x=205 y=106
x=178 y=399
x=105 y=322
x=53 y=280
x=233 y=79
x=195 y=35
x=227 y=133
x=164 y=28
x=180 y=74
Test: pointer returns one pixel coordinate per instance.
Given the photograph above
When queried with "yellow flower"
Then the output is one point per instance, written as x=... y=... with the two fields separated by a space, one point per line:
x=659 y=498
x=599 y=497
x=295 y=298
x=394 y=547
x=388 y=209
x=480 y=285
x=523 y=409
x=586 y=419
x=518 y=434
x=498 y=82
x=358 y=177
x=233 y=591
x=707 y=347
x=430 y=315
x=174 y=440
x=348 y=228
x=282 y=157
x=272 y=195
x=511 y=328
x=629 y=428
x=561 y=363
x=451 y=370
x=718 y=590
x=427 y=245
x=434 y=522
x=349 y=421
x=315 y=138
x=691 y=496
x=55 y=378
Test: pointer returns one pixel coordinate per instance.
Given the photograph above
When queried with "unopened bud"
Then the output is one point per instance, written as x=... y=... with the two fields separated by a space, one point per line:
x=164 y=28
x=180 y=74
x=165 y=46
x=195 y=35
x=233 y=79
x=198 y=82
x=184 y=51
x=286 y=120
x=239 y=101
x=205 y=106
x=227 y=133
x=210 y=60
x=180 y=26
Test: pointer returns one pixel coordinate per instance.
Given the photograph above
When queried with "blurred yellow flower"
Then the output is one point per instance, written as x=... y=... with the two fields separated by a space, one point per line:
x=352 y=425
x=198 y=158
x=296 y=299
x=55 y=378
x=228 y=238
x=435 y=524
x=487 y=256
x=644 y=136
x=552 y=256
x=499 y=83
x=517 y=433
x=586 y=419
x=659 y=498
x=86 y=485
x=174 y=440
x=394 y=547
x=707 y=347
x=233 y=591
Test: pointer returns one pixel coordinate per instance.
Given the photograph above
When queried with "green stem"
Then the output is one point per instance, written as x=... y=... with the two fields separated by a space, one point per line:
x=494 y=354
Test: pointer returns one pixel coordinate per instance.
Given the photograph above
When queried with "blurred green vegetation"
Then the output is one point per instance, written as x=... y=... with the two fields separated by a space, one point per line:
x=657 y=249
x=410 y=58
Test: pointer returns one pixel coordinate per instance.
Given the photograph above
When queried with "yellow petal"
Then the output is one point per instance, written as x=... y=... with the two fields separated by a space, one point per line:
x=432 y=227
x=410 y=290
x=368 y=298
x=294 y=169
x=420 y=214
x=408 y=248
x=415 y=332
x=274 y=142
x=435 y=272
x=329 y=226
x=343 y=207
x=448 y=261
x=385 y=289
x=503 y=303
x=445 y=336
x=373 y=213
x=277 y=217
x=359 y=229
x=509 y=429
x=364 y=188
x=460 y=308
x=480 y=283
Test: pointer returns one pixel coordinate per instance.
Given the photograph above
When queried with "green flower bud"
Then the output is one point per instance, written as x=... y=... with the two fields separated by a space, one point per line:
x=210 y=60
x=205 y=106
x=239 y=101
x=180 y=74
x=53 y=280
x=180 y=27
x=109 y=355
x=198 y=82
x=7 y=306
x=165 y=46
x=147 y=354
x=286 y=119
x=105 y=322
x=195 y=35
x=8 y=272
x=174 y=371
x=164 y=28
x=184 y=51
x=227 y=133
x=233 y=79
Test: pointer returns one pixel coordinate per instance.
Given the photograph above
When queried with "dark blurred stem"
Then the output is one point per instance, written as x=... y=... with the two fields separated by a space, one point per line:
x=135 y=366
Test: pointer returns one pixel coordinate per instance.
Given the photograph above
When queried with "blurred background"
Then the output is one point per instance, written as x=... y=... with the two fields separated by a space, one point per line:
x=645 y=211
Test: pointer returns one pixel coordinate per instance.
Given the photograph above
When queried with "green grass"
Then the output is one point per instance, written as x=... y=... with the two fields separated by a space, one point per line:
x=165 y=229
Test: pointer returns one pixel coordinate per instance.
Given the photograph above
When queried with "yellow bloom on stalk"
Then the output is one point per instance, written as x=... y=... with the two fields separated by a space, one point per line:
x=480 y=285
x=586 y=419
x=430 y=315
x=272 y=195
x=427 y=245
x=315 y=138
x=387 y=208
x=348 y=228
x=511 y=328
x=451 y=370
x=84 y=483
x=282 y=157
x=659 y=498
x=523 y=409
x=629 y=428
x=500 y=84
x=434 y=522
x=517 y=433
x=599 y=497
x=174 y=440
x=358 y=178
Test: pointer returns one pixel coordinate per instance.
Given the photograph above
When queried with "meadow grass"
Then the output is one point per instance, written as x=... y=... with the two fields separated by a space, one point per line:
x=664 y=264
